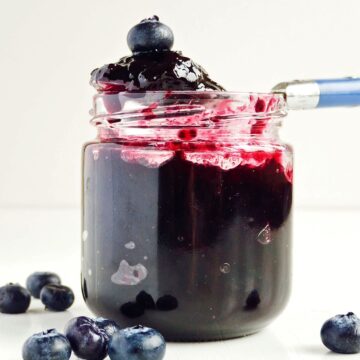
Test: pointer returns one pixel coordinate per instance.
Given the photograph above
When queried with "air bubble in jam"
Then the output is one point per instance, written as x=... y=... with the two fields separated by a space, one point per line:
x=96 y=154
x=264 y=236
x=230 y=160
x=130 y=245
x=225 y=268
x=224 y=161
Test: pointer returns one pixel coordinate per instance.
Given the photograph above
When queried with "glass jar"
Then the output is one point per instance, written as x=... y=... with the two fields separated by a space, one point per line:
x=186 y=222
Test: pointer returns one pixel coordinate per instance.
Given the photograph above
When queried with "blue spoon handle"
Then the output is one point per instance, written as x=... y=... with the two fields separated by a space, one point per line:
x=339 y=92
x=310 y=94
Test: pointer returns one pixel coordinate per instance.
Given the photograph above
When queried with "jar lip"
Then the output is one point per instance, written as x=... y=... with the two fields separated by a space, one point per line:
x=193 y=92
x=128 y=108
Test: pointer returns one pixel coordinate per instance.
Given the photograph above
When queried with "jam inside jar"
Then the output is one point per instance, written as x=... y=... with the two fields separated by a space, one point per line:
x=186 y=212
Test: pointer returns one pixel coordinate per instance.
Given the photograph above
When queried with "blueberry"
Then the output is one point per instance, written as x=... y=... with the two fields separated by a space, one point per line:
x=36 y=281
x=48 y=345
x=132 y=309
x=252 y=301
x=137 y=343
x=341 y=334
x=84 y=290
x=57 y=297
x=145 y=300
x=150 y=35
x=88 y=340
x=109 y=326
x=167 y=303
x=14 y=299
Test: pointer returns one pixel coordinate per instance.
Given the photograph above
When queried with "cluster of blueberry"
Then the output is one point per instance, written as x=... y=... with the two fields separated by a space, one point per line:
x=94 y=339
x=145 y=301
x=89 y=339
x=46 y=286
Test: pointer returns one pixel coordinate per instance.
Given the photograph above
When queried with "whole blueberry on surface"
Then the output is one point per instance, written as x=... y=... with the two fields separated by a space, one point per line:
x=47 y=345
x=36 y=281
x=109 y=326
x=14 y=299
x=137 y=343
x=341 y=334
x=87 y=339
x=57 y=297
x=150 y=35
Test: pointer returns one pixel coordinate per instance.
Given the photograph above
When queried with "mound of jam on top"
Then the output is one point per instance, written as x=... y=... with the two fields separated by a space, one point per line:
x=186 y=200
x=153 y=65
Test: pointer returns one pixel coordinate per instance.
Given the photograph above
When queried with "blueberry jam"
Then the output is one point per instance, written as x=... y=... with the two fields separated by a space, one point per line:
x=153 y=66
x=187 y=196
x=187 y=229
x=164 y=70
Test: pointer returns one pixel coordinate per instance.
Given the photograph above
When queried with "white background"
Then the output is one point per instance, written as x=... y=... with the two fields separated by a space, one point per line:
x=47 y=50
x=49 y=47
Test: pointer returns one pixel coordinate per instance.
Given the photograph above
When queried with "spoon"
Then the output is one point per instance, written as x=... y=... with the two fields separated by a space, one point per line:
x=311 y=94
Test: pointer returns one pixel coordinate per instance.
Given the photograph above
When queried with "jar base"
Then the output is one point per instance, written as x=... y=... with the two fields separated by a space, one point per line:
x=210 y=338
x=178 y=334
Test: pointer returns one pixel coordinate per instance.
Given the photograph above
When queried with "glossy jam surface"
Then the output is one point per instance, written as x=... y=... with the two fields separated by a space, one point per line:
x=164 y=70
x=192 y=238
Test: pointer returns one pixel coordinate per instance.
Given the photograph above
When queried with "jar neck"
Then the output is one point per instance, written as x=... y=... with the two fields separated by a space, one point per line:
x=188 y=117
x=258 y=133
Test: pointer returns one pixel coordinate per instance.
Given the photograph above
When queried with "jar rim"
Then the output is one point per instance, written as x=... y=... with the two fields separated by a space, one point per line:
x=155 y=108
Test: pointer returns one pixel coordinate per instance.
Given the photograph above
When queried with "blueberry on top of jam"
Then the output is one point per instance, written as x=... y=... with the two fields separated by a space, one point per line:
x=150 y=35
x=153 y=66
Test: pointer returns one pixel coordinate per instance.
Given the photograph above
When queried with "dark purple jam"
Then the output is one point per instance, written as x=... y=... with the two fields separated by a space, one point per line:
x=188 y=239
x=158 y=70
x=186 y=198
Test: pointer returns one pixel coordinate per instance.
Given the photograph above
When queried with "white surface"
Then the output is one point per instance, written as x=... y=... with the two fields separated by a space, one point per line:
x=48 y=49
x=326 y=268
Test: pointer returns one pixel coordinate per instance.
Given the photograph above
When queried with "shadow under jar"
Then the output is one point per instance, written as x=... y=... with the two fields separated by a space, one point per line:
x=186 y=212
